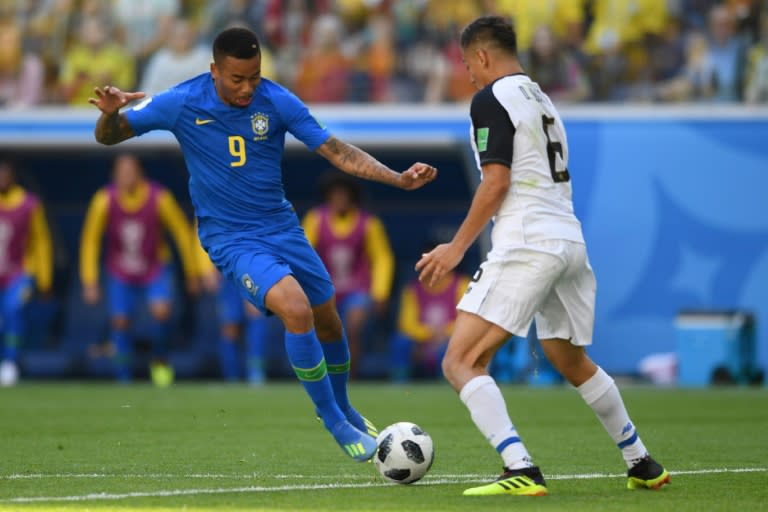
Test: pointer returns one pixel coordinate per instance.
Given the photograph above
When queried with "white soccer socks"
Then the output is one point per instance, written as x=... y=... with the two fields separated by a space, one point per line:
x=602 y=395
x=486 y=405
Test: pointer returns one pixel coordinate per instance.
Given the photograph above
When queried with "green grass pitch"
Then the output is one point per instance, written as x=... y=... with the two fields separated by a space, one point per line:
x=215 y=447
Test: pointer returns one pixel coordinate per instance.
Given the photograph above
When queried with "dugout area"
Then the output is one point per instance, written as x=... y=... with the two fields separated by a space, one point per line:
x=672 y=203
x=63 y=332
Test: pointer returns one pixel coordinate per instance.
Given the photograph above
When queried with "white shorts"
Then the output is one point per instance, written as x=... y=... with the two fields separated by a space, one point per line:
x=550 y=281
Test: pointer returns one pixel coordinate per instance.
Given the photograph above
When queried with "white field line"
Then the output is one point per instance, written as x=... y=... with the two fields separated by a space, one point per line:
x=292 y=476
x=431 y=479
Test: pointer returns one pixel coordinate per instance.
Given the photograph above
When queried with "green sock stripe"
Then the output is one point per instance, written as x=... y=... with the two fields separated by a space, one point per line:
x=312 y=374
x=335 y=369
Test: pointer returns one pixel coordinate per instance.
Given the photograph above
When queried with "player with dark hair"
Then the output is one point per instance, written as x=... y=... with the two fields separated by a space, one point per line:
x=231 y=125
x=355 y=249
x=26 y=262
x=537 y=266
x=132 y=215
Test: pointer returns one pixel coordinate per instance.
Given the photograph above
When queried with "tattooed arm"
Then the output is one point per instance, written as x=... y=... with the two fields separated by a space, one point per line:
x=357 y=162
x=112 y=127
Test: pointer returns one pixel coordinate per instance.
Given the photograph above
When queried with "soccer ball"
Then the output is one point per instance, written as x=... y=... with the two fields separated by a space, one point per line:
x=405 y=453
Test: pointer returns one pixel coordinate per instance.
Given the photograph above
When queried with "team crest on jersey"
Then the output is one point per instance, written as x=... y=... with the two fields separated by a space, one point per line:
x=249 y=285
x=260 y=125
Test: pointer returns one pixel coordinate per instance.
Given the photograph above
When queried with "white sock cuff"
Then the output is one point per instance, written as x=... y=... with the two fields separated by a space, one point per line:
x=473 y=385
x=596 y=386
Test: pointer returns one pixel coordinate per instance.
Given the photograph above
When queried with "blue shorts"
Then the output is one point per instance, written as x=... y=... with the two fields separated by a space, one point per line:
x=124 y=296
x=229 y=303
x=354 y=300
x=16 y=294
x=255 y=264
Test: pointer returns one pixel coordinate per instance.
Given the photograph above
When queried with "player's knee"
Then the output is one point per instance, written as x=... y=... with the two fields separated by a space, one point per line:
x=296 y=315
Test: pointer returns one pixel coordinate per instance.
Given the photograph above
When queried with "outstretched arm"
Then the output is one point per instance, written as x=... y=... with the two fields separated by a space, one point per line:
x=489 y=196
x=357 y=162
x=112 y=127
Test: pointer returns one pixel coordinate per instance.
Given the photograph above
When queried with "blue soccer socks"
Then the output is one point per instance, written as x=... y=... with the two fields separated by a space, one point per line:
x=255 y=348
x=306 y=357
x=228 y=359
x=338 y=363
x=122 y=357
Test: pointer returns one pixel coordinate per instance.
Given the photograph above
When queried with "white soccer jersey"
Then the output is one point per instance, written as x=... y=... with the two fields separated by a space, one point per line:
x=515 y=124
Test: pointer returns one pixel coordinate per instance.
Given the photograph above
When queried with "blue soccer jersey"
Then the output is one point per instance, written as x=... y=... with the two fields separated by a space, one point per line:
x=233 y=154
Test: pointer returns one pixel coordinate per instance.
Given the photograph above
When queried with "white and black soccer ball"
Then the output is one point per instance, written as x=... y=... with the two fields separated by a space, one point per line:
x=405 y=453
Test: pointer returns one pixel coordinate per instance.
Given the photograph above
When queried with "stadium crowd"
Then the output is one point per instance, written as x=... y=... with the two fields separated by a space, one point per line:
x=55 y=51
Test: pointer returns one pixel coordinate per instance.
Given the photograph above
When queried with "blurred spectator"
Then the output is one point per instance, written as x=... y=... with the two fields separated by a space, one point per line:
x=234 y=311
x=692 y=13
x=222 y=14
x=459 y=86
x=50 y=32
x=145 y=24
x=401 y=50
x=557 y=73
x=756 y=88
x=616 y=40
x=747 y=14
x=727 y=54
x=324 y=72
x=426 y=65
x=94 y=60
x=131 y=215
x=447 y=17
x=376 y=64
x=564 y=17
x=25 y=263
x=425 y=322
x=286 y=24
x=354 y=247
x=21 y=73
x=696 y=81
x=181 y=59
x=667 y=52
x=445 y=74
x=355 y=13
x=623 y=22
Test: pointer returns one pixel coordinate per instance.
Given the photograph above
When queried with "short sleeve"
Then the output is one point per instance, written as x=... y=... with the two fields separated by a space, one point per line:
x=157 y=112
x=301 y=124
x=493 y=131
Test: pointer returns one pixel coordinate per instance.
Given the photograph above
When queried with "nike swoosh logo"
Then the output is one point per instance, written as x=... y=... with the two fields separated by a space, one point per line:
x=199 y=121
